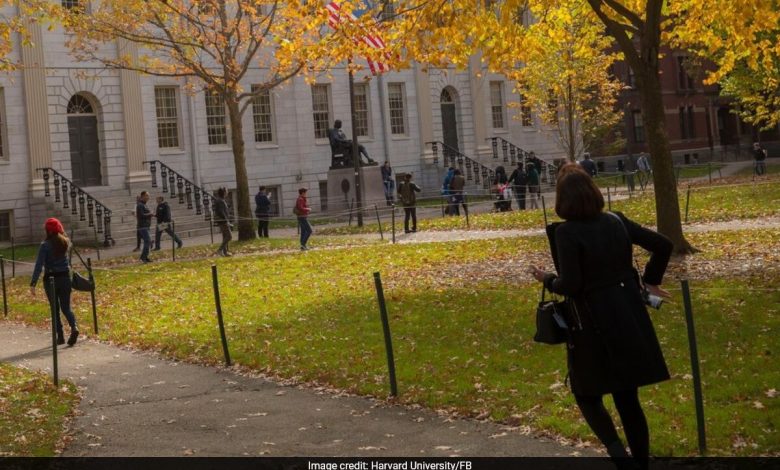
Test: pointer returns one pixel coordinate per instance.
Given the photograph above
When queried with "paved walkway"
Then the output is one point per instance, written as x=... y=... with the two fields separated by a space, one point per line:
x=136 y=404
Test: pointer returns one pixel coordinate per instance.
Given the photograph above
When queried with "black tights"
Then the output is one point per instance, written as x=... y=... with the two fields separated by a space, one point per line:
x=631 y=415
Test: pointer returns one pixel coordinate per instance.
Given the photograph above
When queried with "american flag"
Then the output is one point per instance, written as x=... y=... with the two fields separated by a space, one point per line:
x=372 y=39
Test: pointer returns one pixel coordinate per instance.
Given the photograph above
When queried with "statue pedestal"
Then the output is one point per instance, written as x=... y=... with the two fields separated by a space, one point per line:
x=341 y=179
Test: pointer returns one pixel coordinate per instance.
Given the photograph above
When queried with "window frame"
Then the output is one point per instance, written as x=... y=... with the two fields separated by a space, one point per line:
x=327 y=112
x=403 y=110
x=209 y=125
x=176 y=120
x=271 y=121
x=639 y=137
x=5 y=154
x=10 y=214
x=501 y=114
x=368 y=133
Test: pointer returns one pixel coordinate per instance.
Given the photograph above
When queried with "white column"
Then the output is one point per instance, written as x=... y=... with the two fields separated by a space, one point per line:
x=133 y=114
x=36 y=104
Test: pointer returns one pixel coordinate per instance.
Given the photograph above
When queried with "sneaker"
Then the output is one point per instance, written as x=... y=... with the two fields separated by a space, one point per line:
x=146 y=260
x=60 y=337
x=155 y=249
x=414 y=230
x=136 y=249
x=179 y=245
x=227 y=254
x=303 y=248
x=74 y=334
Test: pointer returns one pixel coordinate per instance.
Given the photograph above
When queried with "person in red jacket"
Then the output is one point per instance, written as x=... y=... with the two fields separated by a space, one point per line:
x=302 y=210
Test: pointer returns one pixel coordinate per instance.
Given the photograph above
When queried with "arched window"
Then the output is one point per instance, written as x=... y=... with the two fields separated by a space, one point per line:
x=79 y=105
x=446 y=96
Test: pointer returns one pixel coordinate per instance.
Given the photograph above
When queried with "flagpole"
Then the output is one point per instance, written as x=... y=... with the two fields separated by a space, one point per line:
x=355 y=147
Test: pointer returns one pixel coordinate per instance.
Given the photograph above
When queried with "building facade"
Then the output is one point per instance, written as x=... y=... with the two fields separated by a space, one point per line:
x=99 y=127
x=700 y=124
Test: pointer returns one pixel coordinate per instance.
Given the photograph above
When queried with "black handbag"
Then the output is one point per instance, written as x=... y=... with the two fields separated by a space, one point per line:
x=81 y=283
x=551 y=325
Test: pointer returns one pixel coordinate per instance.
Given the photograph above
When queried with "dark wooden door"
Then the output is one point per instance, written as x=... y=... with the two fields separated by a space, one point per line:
x=449 y=125
x=84 y=150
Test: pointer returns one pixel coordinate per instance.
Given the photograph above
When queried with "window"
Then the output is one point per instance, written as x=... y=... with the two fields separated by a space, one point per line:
x=262 y=114
x=166 y=104
x=273 y=195
x=525 y=112
x=396 y=98
x=684 y=81
x=5 y=226
x=320 y=103
x=497 y=104
x=324 y=196
x=388 y=10
x=362 y=121
x=3 y=135
x=215 y=119
x=639 y=126
x=552 y=107
x=687 y=122
x=72 y=5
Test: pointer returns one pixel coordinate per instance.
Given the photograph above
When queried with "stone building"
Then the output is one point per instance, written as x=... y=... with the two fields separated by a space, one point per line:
x=98 y=127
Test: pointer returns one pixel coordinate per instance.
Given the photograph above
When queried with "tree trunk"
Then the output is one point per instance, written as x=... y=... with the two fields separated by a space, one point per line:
x=667 y=206
x=246 y=226
x=570 y=119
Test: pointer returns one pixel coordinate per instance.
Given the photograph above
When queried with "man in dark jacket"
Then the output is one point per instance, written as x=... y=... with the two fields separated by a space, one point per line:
x=588 y=165
x=164 y=223
x=519 y=181
x=457 y=183
x=262 y=210
x=406 y=192
x=222 y=219
x=144 y=222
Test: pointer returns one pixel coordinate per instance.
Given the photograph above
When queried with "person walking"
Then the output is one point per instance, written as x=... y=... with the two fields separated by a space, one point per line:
x=457 y=183
x=519 y=181
x=389 y=183
x=222 y=219
x=588 y=165
x=643 y=165
x=164 y=223
x=406 y=191
x=262 y=211
x=759 y=157
x=137 y=234
x=612 y=345
x=302 y=211
x=534 y=188
x=445 y=187
x=53 y=260
x=144 y=224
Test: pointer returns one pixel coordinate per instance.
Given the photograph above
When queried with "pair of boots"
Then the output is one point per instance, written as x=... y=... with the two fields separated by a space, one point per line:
x=623 y=461
x=74 y=334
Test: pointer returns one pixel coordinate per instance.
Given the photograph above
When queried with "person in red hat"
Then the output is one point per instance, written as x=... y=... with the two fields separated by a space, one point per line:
x=53 y=260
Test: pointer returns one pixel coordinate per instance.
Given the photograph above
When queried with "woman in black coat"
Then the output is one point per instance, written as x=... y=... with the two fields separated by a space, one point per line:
x=612 y=344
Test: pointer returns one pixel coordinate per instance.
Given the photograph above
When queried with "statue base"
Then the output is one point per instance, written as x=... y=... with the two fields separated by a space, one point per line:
x=341 y=188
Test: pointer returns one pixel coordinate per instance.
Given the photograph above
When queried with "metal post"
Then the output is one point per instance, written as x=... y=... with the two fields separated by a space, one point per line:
x=13 y=258
x=381 y=233
x=609 y=199
x=92 y=296
x=53 y=302
x=173 y=240
x=687 y=201
x=2 y=275
x=355 y=145
x=709 y=171
x=393 y=221
x=443 y=211
x=211 y=231
x=544 y=211
x=386 y=329
x=466 y=209
x=219 y=315
x=694 y=367
x=351 y=203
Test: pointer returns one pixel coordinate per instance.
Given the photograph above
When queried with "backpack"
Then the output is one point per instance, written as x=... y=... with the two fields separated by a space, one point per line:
x=296 y=211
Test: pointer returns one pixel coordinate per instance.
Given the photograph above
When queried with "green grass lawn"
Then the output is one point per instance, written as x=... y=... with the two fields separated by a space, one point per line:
x=20 y=253
x=462 y=331
x=707 y=204
x=771 y=169
x=32 y=412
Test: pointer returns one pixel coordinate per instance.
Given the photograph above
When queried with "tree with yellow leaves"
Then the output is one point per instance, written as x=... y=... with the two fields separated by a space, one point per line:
x=214 y=42
x=26 y=11
x=728 y=31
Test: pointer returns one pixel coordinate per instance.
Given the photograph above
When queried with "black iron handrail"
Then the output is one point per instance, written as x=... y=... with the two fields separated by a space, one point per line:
x=89 y=208
x=470 y=168
x=516 y=154
x=178 y=185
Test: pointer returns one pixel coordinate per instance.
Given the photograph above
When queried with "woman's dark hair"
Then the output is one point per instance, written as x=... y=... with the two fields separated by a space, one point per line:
x=59 y=242
x=302 y=191
x=221 y=192
x=576 y=195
